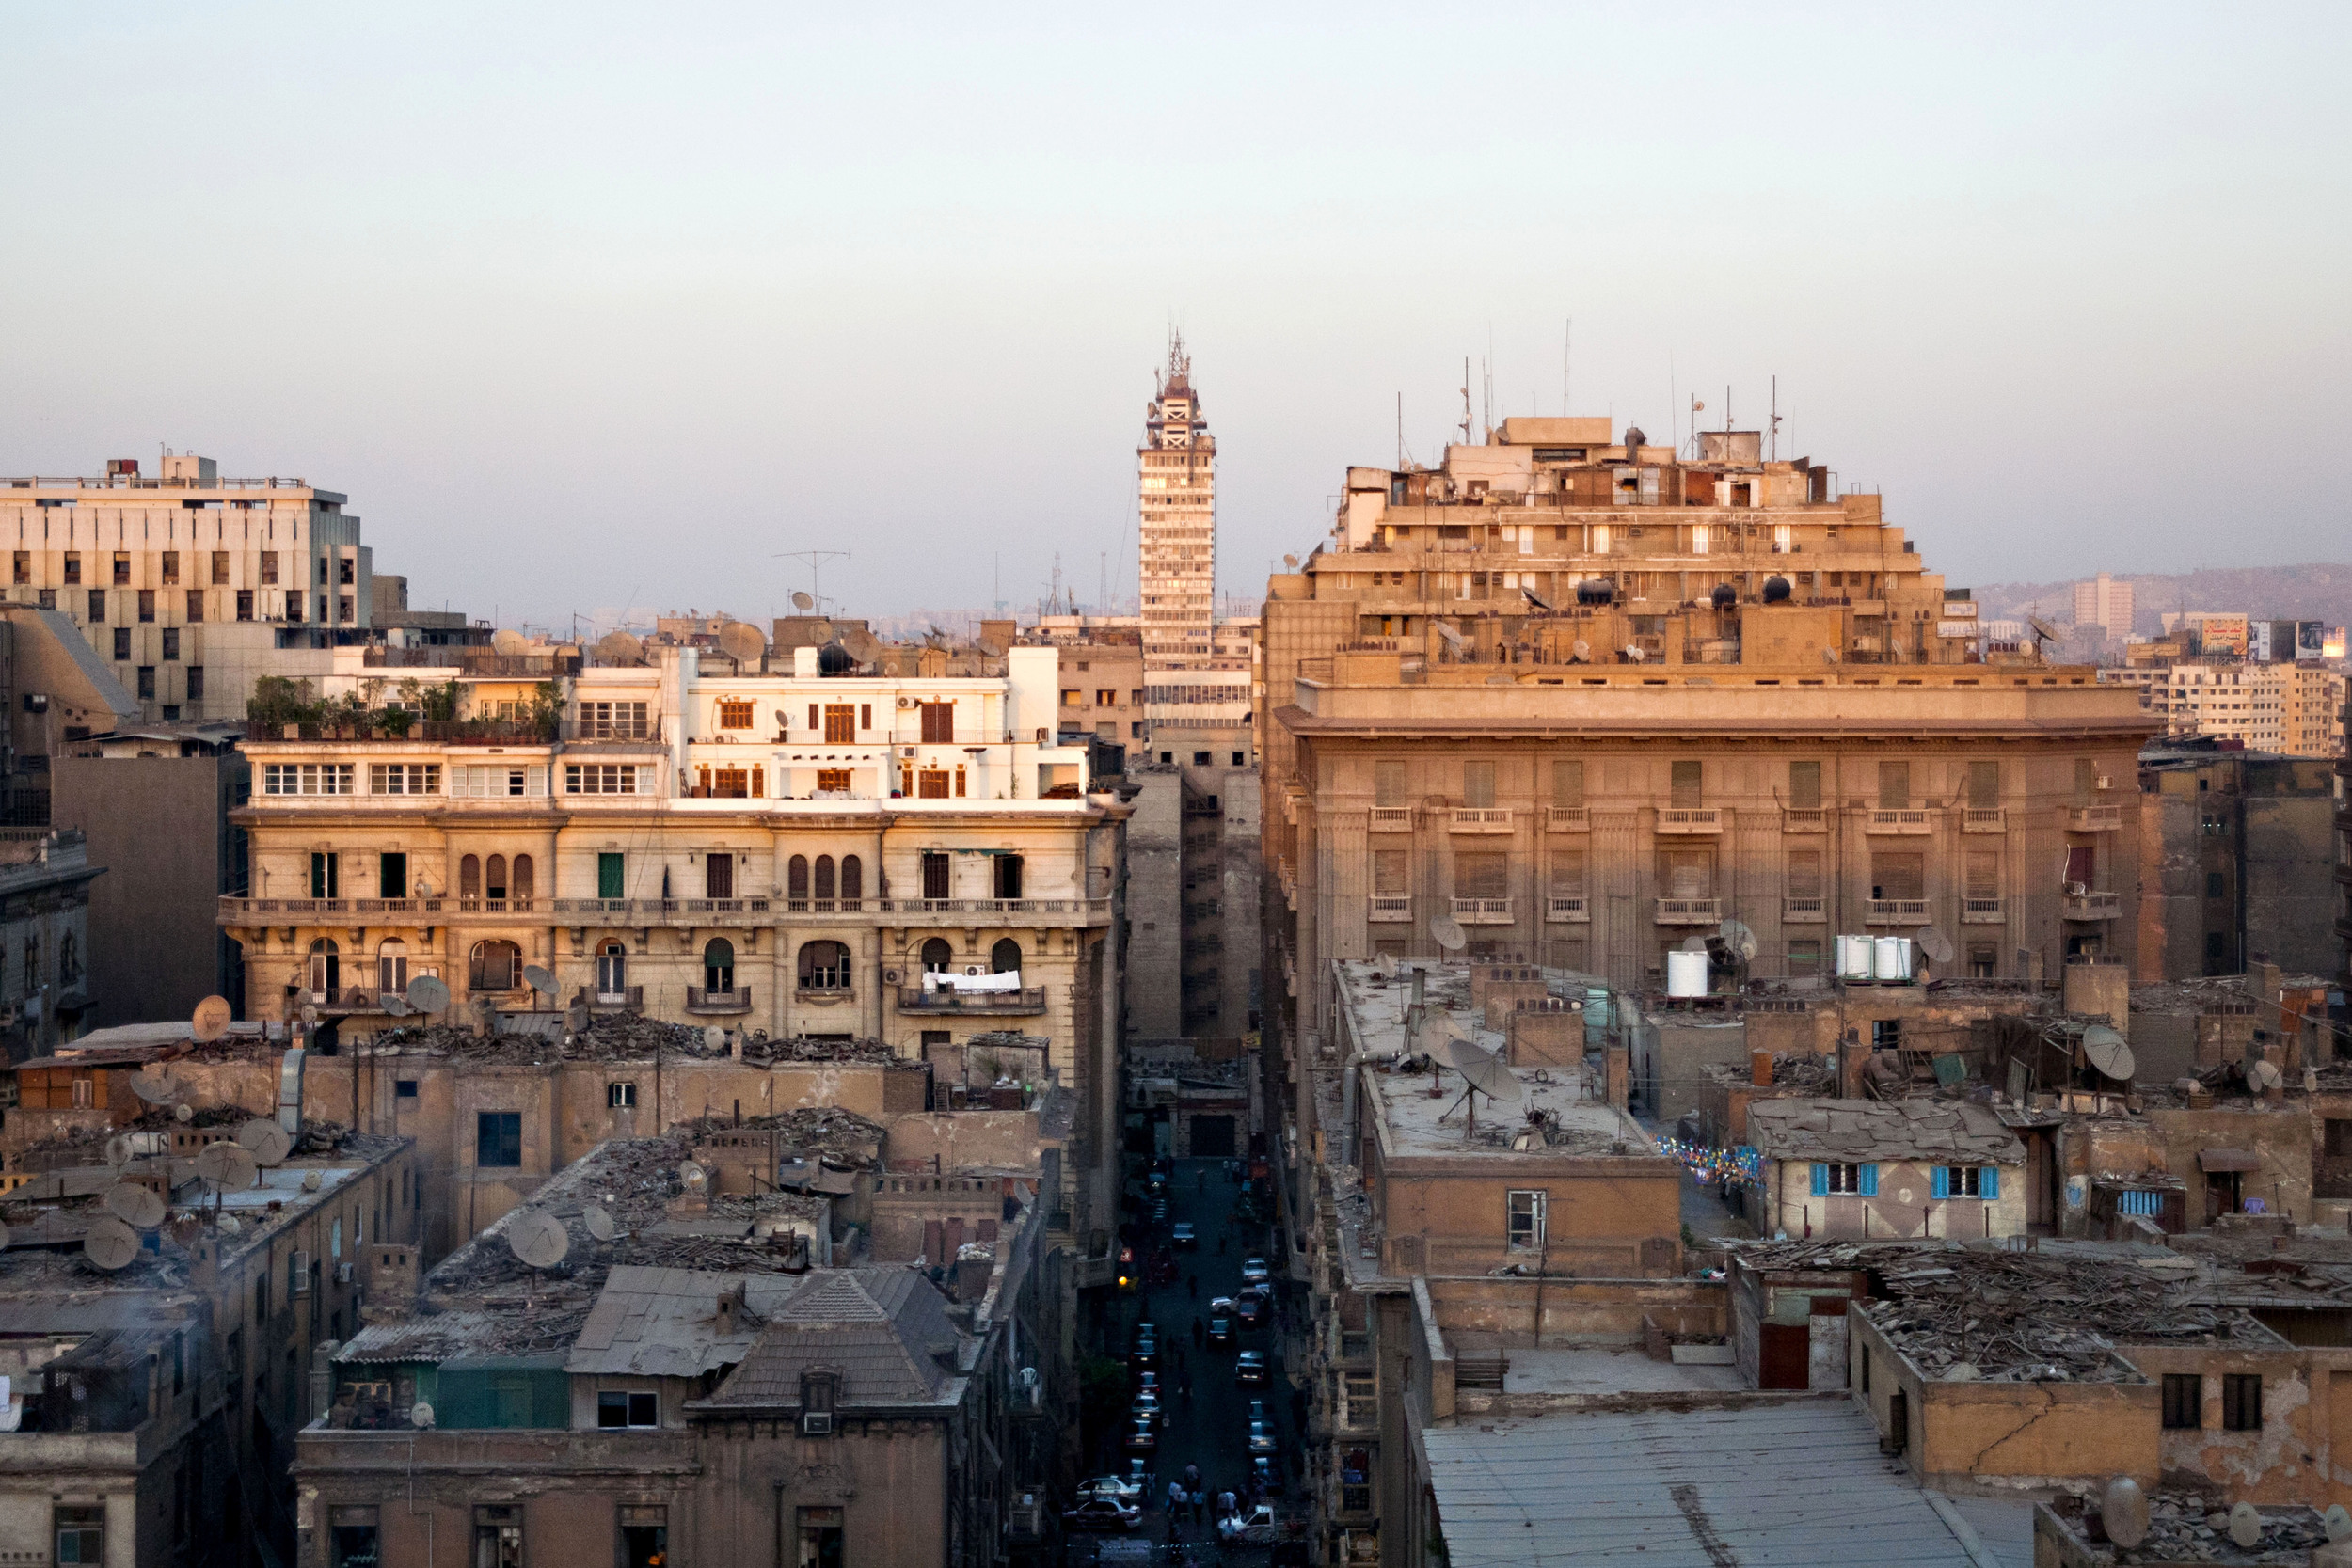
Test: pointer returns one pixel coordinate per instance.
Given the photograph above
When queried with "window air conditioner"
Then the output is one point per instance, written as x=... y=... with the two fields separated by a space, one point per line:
x=817 y=1423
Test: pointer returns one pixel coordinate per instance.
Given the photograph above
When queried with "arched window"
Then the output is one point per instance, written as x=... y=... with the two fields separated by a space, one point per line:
x=719 y=965
x=470 y=877
x=392 y=965
x=524 y=878
x=824 y=875
x=938 y=957
x=824 y=966
x=852 y=877
x=1005 y=958
x=796 y=877
x=494 y=881
x=496 y=966
x=326 y=969
x=613 y=972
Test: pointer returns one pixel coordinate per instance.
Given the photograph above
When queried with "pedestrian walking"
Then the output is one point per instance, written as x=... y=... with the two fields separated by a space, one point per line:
x=1200 y=1501
x=1226 y=1504
x=1175 y=1498
x=1192 y=1476
x=1200 y=1332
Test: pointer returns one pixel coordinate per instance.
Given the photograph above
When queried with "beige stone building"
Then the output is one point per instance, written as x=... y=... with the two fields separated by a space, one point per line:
x=1176 y=502
x=2290 y=709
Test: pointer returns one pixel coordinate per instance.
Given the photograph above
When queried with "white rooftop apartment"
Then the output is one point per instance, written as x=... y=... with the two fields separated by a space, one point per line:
x=2289 y=709
x=2105 y=601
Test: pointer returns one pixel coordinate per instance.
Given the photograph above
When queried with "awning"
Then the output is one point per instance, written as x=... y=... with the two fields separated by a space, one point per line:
x=2227 y=1158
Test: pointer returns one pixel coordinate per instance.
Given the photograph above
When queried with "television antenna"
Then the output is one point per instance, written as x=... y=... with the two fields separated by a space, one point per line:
x=815 y=559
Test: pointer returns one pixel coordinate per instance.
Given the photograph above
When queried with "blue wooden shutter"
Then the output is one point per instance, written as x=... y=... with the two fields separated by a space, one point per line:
x=1989 y=1184
x=1869 y=1181
x=1820 y=1182
x=1942 y=1183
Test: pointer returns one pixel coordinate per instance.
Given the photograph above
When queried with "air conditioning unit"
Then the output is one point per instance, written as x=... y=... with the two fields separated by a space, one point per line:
x=890 y=976
x=976 y=969
x=342 y=1274
x=817 y=1423
x=906 y=702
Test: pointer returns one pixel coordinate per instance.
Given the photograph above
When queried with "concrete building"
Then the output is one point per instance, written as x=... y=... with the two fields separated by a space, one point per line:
x=2104 y=602
x=158 y=798
x=1855 y=1167
x=1176 y=501
x=45 y=982
x=2239 y=849
x=56 y=690
x=2287 y=709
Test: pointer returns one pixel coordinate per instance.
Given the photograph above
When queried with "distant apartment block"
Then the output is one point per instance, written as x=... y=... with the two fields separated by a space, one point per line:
x=2105 y=601
x=1176 y=485
x=2288 y=709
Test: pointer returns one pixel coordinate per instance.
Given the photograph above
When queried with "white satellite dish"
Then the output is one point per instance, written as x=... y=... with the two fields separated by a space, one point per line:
x=110 y=1244
x=1290 y=563
x=1936 y=945
x=620 y=648
x=539 y=979
x=395 y=1004
x=1694 y=944
x=1454 y=638
x=538 y=1238
x=2123 y=1509
x=2260 y=1077
x=1436 y=1030
x=135 y=1206
x=989 y=647
x=599 y=1222
x=1739 y=939
x=230 y=1225
x=509 y=641
x=1448 y=933
x=694 y=1177
x=866 y=647
x=822 y=629
x=801 y=601
x=741 y=641
x=211 y=1019
x=714 y=1038
x=184 y=1112
x=119 y=1150
x=1580 y=651
x=268 y=1143
x=229 y=1166
x=421 y=1414
x=428 y=993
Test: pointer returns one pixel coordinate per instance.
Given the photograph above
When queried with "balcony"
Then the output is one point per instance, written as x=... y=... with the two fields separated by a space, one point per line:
x=1483 y=911
x=1390 y=908
x=1983 y=819
x=1000 y=1004
x=2092 y=906
x=440 y=911
x=1805 y=911
x=1908 y=820
x=630 y=997
x=1689 y=911
x=620 y=735
x=1898 y=912
x=1803 y=819
x=1392 y=819
x=420 y=731
x=718 y=1004
x=1981 y=911
x=1566 y=910
x=1568 y=819
x=1690 y=819
x=2094 y=819
x=1480 y=820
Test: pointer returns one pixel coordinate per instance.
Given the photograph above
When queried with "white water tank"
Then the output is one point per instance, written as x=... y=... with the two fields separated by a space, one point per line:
x=1686 y=974
x=1853 y=959
x=1893 y=963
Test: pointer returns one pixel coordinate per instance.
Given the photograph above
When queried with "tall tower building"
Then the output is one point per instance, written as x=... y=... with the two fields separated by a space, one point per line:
x=1176 y=490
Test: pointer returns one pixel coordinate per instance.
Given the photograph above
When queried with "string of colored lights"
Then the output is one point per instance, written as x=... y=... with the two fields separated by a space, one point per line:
x=1715 y=1165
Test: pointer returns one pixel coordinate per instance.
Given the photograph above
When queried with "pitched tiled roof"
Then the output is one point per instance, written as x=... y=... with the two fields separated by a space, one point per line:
x=883 y=1331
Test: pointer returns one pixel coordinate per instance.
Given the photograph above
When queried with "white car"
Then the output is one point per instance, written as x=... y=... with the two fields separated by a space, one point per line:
x=1116 y=1488
x=1255 y=1529
x=1254 y=1272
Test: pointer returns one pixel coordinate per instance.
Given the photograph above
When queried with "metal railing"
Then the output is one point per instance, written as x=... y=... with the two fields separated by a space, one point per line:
x=1483 y=911
x=1690 y=819
x=701 y=1000
x=2093 y=905
x=2094 y=819
x=1689 y=911
x=596 y=732
x=1898 y=912
x=1981 y=911
x=914 y=999
x=1907 y=819
x=1568 y=819
x=1481 y=819
x=1388 y=908
x=1561 y=909
x=641 y=911
x=432 y=732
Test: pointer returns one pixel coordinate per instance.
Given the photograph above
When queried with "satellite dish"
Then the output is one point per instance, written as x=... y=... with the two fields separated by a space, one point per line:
x=991 y=647
x=395 y=1004
x=1633 y=653
x=696 y=1177
x=310 y=1012
x=2338 y=1518
x=135 y=1206
x=421 y=1414
x=118 y=1152
x=714 y=1038
x=428 y=993
x=538 y=1238
x=1738 y=938
x=2043 y=628
x=1936 y=945
x=211 y=1019
x=229 y=1166
x=539 y=979
x=1483 y=1070
x=268 y=1143
x=1580 y=651
x=2246 y=1525
x=1454 y=638
x=801 y=601
x=1290 y=563
x=2123 y=1509
x=230 y=1225
x=576 y=1019
x=185 y=1231
x=1829 y=655
x=1448 y=932
x=161 y=1090
x=1694 y=944
x=599 y=1223
x=620 y=647
x=110 y=1244
x=741 y=641
x=183 y=1112
x=508 y=640
x=822 y=629
x=1436 y=1030
x=2262 y=1076
x=866 y=647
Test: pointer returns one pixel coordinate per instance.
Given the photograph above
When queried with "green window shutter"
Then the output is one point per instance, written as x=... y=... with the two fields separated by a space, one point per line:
x=608 y=876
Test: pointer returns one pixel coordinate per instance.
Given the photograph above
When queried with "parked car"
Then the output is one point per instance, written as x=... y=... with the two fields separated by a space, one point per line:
x=1254 y=1272
x=1221 y=1328
x=1102 y=1514
x=1141 y=1436
x=1148 y=1406
x=1119 y=1489
x=1260 y=1437
x=1256 y=1528
x=1249 y=1369
x=1184 y=1235
x=1249 y=1311
x=1265 y=1477
x=1128 y=1276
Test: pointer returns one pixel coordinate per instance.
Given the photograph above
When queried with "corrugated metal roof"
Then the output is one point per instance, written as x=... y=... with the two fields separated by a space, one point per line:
x=1799 y=1484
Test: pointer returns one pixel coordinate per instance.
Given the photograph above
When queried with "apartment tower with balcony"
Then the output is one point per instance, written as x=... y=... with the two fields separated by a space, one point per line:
x=1176 y=501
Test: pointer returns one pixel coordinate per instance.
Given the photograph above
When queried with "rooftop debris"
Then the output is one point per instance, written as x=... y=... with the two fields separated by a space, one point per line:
x=623 y=1037
x=2185 y=1527
x=1860 y=1129
x=838 y=1136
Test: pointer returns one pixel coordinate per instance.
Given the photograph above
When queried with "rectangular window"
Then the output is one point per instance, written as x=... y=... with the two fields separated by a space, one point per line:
x=1391 y=876
x=220 y=568
x=245 y=605
x=935 y=875
x=1387 y=784
x=621 y=1096
x=404 y=778
x=1478 y=784
x=353 y=1539
x=603 y=778
x=610 y=721
x=1804 y=874
x=1982 y=1182
x=840 y=724
x=497 y=1533
x=731 y=783
x=293 y=606
x=171 y=568
x=2184 y=1402
x=2241 y=1402
x=939 y=723
x=305 y=778
x=1523 y=1213
x=327 y=880
x=1567 y=782
x=122 y=568
x=1686 y=873
x=616 y=1409
x=48 y=598
x=122 y=643
x=24 y=566
x=404 y=1089
x=609 y=874
x=81 y=1534
x=1984 y=785
x=1805 y=785
x=194 y=610
x=1069 y=696
x=146 y=681
x=1687 y=786
x=391 y=877
x=496 y=780
x=97 y=607
x=820 y=1538
x=499 y=1138
x=1805 y=956
x=1482 y=876
x=1898 y=874
x=2086 y=781
x=269 y=568
x=73 y=567
x=346 y=571
x=930 y=783
x=1984 y=960
x=1894 y=786
x=735 y=714
x=1982 y=877
x=1008 y=877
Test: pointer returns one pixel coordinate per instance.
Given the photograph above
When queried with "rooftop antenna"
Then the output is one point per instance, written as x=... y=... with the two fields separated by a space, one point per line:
x=1775 y=425
x=1727 y=410
x=1400 y=429
x=1465 y=402
x=815 y=559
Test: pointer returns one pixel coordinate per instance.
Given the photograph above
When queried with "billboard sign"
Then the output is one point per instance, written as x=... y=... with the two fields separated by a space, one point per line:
x=2258 y=642
x=2310 y=639
x=2224 y=634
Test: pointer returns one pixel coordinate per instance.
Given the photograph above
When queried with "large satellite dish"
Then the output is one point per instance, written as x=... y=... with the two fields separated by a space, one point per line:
x=2042 y=629
x=211 y=1019
x=1694 y=944
x=1739 y=939
x=395 y=1004
x=268 y=1143
x=2123 y=1509
x=428 y=993
x=110 y=1244
x=801 y=601
x=741 y=641
x=1448 y=933
x=163 y=1089
x=620 y=648
x=119 y=1150
x=2111 y=1053
x=2262 y=1076
x=989 y=647
x=184 y=1112
x=576 y=1019
x=866 y=647
x=539 y=980
x=1483 y=1070
x=230 y=1167
x=694 y=1177
x=421 y=1416
x=1436 y=1030
x=135 y=1206
x=714 y=1038
x=1936 y=945
x=599 y=1222
x=1580 y=651
x=509 y=641
x=820 y=631
x=538 y=1238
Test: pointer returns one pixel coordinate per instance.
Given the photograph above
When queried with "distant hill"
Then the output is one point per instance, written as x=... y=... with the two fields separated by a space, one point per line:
x=2320 y=591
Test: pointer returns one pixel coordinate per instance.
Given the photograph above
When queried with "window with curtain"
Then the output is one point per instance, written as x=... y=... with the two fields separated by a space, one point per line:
x=494 y=877
x=1391 y=873
x=1387 y=784
x=1804 y=874
x=1478 y=784
x=824 y=966
x=796 y=877
x=719 y=965
x=1984 y=784
x=1894 y=786
x=852 y=877
x=525 y=882
x=1481 y=875
x=1005 y=958
x=824 y=884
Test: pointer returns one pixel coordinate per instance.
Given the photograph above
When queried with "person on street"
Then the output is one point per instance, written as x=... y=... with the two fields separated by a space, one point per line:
x=1226 y=1504
x=1199 y=1500
x=1200 y=1332
x=1175 y=1501
x=1192 y=1477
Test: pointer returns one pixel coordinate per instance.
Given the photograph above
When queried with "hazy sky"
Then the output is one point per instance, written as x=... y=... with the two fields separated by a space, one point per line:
x=590 y=306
